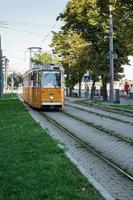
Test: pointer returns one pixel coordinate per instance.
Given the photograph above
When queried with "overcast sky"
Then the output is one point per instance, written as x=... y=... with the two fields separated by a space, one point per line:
x=28 y=23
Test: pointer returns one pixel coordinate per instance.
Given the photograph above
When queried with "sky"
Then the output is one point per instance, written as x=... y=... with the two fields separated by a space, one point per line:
x=28 y=23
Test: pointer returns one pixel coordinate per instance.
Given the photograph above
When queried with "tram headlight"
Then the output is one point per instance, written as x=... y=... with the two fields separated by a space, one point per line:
x=51 y=97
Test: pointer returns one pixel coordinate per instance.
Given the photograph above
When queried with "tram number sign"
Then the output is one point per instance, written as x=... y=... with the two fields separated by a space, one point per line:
x=48 y=67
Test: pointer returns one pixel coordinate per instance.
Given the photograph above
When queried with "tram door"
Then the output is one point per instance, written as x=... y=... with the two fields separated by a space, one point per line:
x=36 y=90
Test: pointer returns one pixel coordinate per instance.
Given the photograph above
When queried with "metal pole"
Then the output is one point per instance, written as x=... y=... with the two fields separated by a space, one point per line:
x=111 y=59
x=3 y=64
x=12 y=83
x=5 y=73
x=1 y=74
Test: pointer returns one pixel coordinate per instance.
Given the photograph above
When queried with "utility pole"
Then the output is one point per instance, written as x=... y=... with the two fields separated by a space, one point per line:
x=1 y=71
x=12 y=83
x=5 y=72
x=111 y=55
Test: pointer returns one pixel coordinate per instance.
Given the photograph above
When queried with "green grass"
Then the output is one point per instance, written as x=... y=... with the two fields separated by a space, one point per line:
x=32 y=166
x=128 y=107
x=104 y=103
x=8 y=96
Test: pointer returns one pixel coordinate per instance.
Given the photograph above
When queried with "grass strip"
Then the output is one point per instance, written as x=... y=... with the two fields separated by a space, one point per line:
x=108 y=105
x=32 y=166
x=127 y=107
x=110 y=108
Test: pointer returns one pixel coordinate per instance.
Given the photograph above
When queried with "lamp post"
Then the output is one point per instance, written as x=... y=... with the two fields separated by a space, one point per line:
x=111 y=56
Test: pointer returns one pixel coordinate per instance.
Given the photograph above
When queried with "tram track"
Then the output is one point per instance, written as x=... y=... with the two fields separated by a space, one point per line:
x=103 y=123
x=109 y=180
x=101 y=128
x=108 y=108
x=101 y=112
x=108 y=146
x=85 y=145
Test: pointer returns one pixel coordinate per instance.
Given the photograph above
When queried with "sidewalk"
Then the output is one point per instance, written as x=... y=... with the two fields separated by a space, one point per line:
x=126 y=101
x=123 y=100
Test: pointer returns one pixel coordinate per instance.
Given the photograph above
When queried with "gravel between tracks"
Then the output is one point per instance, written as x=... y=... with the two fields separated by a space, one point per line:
x=119 y=128
x=103 y=112
x=111 y=147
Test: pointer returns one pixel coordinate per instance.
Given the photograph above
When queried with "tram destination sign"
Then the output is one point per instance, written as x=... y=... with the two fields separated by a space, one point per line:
x=47 y=67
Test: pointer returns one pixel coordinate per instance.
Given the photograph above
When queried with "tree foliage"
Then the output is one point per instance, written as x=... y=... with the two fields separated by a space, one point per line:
x=90 y=19
x=45 y=58
x=74 y=52
x=16 y=78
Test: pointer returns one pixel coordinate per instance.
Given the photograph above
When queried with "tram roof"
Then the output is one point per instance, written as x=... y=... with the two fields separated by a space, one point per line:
x=44 y=67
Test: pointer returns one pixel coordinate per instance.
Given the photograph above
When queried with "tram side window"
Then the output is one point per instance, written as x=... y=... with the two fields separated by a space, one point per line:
x=58 y=79
x=35 y=79
x=25 y=81
x=39 y=78
x=30 y=79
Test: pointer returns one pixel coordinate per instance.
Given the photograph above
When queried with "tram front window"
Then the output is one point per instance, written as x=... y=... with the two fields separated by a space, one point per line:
x=51 y=79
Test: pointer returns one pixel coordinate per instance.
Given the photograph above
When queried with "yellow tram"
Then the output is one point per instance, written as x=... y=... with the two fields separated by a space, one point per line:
x=43 y=86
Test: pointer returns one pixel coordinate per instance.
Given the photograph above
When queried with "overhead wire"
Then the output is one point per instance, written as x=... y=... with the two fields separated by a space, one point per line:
x=6 y=24
x=20 y=30
x=22 y=23
x=53 y=26
x=48 y=34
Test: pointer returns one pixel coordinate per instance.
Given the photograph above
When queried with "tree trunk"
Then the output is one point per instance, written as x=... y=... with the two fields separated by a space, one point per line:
x=80 y=79
x=70 y=91
x=92 y=90
x=104 y=84
x=80 y=89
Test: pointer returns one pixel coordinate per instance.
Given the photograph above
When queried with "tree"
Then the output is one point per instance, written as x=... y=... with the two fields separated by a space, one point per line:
x=16 y=78
x=74 y=52
x=122 y=17
x=90 y=19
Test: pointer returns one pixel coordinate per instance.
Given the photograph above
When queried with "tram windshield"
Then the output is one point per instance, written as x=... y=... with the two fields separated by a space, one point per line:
x=51 y=79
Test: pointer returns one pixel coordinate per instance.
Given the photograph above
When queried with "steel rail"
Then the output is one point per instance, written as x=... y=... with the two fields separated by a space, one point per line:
x=98 y=114
x=87 y=146
x=120 y=111
x=94 y=125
